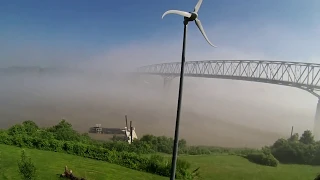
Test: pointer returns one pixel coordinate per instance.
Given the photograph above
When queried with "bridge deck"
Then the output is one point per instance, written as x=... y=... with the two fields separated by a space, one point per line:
x=296 y=74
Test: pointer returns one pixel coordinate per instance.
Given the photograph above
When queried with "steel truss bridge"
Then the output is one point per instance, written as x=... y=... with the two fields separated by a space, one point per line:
x=301 y=75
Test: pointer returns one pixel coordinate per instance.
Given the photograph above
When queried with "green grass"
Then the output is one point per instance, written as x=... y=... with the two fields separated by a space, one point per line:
x=49 y=164
x=217 y=167
x=226 y=167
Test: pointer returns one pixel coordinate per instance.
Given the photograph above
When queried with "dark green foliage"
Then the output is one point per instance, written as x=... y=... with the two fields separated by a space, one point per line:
x=30 y=127
x=297 y=151
x=27 y=169
x=159 y=143
x=41 y=133
x=159 y=164
x=16 y=129
x=294 y=138
x=195 y=150
x=263 y=158
x=63 y=131
x=27 y=127
x=164 y=145
x=307 y=137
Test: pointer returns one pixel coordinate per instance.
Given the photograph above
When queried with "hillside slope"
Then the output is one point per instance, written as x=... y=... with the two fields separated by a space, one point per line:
x=226 y=167
x=49 y=164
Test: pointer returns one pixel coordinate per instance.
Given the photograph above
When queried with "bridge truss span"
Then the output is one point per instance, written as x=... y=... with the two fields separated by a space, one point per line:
x=296 y=74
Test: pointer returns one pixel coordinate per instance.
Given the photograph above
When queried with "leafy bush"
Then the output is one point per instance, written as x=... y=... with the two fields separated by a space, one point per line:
x=27 y=169
x=266 y=159
x=30 y=127
x=196 y=150
x=159 y=165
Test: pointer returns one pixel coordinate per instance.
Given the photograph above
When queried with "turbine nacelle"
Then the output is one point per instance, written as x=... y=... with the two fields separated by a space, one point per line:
x=191 y=16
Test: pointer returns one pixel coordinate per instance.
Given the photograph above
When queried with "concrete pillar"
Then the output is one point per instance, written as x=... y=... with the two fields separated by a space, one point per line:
x=166 y=82
x=316 y=127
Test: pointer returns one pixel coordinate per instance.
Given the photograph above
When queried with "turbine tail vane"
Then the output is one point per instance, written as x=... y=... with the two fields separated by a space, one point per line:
x=181 y=13
x=197 y=7
x=198 y=23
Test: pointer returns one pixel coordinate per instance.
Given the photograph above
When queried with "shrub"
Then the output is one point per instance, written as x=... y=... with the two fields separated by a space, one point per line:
x=27 y=169
x=16 y=129
x=159 y=165
x=197 y=150
x=30 y=127
x=266 y=159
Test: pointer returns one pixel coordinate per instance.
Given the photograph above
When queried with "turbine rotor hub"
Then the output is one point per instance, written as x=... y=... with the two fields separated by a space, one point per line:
x=194 y=16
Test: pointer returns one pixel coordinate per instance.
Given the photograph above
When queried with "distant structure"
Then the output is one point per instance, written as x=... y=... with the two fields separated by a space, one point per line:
x=127 y=133
x=302 y=75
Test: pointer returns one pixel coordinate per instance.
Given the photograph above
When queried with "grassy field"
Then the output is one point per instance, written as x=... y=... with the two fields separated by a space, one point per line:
x=218 y=167
x=225 y=167
x=50 y=163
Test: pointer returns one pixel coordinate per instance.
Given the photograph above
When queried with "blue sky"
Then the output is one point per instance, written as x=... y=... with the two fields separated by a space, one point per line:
x=109 y=33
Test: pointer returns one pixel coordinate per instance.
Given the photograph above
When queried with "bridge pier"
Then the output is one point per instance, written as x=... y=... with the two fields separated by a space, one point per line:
x=167 y=81
x=316 y=126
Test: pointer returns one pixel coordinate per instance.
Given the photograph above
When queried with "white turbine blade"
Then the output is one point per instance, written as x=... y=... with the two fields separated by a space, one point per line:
x=181 y=13
x=197 y=7
x=198 y=23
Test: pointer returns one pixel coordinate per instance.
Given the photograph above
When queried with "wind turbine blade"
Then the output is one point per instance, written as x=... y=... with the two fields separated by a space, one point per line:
x=181 y=13
x=198 y=23
x=197 y=7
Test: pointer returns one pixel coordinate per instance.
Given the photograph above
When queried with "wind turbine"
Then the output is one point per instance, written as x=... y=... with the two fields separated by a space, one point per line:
x=188 y=16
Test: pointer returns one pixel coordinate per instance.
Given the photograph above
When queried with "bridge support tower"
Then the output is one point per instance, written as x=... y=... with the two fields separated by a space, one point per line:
x=316 y=126
x=167 y=81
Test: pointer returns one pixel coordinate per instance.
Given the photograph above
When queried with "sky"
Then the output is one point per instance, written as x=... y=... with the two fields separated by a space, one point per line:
x=126 y=34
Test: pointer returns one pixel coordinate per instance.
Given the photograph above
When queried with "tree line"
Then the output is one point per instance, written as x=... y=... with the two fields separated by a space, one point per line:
x=293 y=150
x=63 y=138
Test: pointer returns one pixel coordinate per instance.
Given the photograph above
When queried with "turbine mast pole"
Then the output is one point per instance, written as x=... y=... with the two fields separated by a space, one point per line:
x=176 y=132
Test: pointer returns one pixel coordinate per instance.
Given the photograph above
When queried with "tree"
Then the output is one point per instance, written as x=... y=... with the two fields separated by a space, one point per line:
x=63 y=124
x=63 y=131
x=294 y=137
x=30 y=127
x=307 y=137
x=182 y=143
x=16 y=129
x=280 y=143
x=27 y=169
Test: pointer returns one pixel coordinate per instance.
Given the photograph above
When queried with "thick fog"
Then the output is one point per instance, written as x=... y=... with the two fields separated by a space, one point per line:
x=214 y=112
